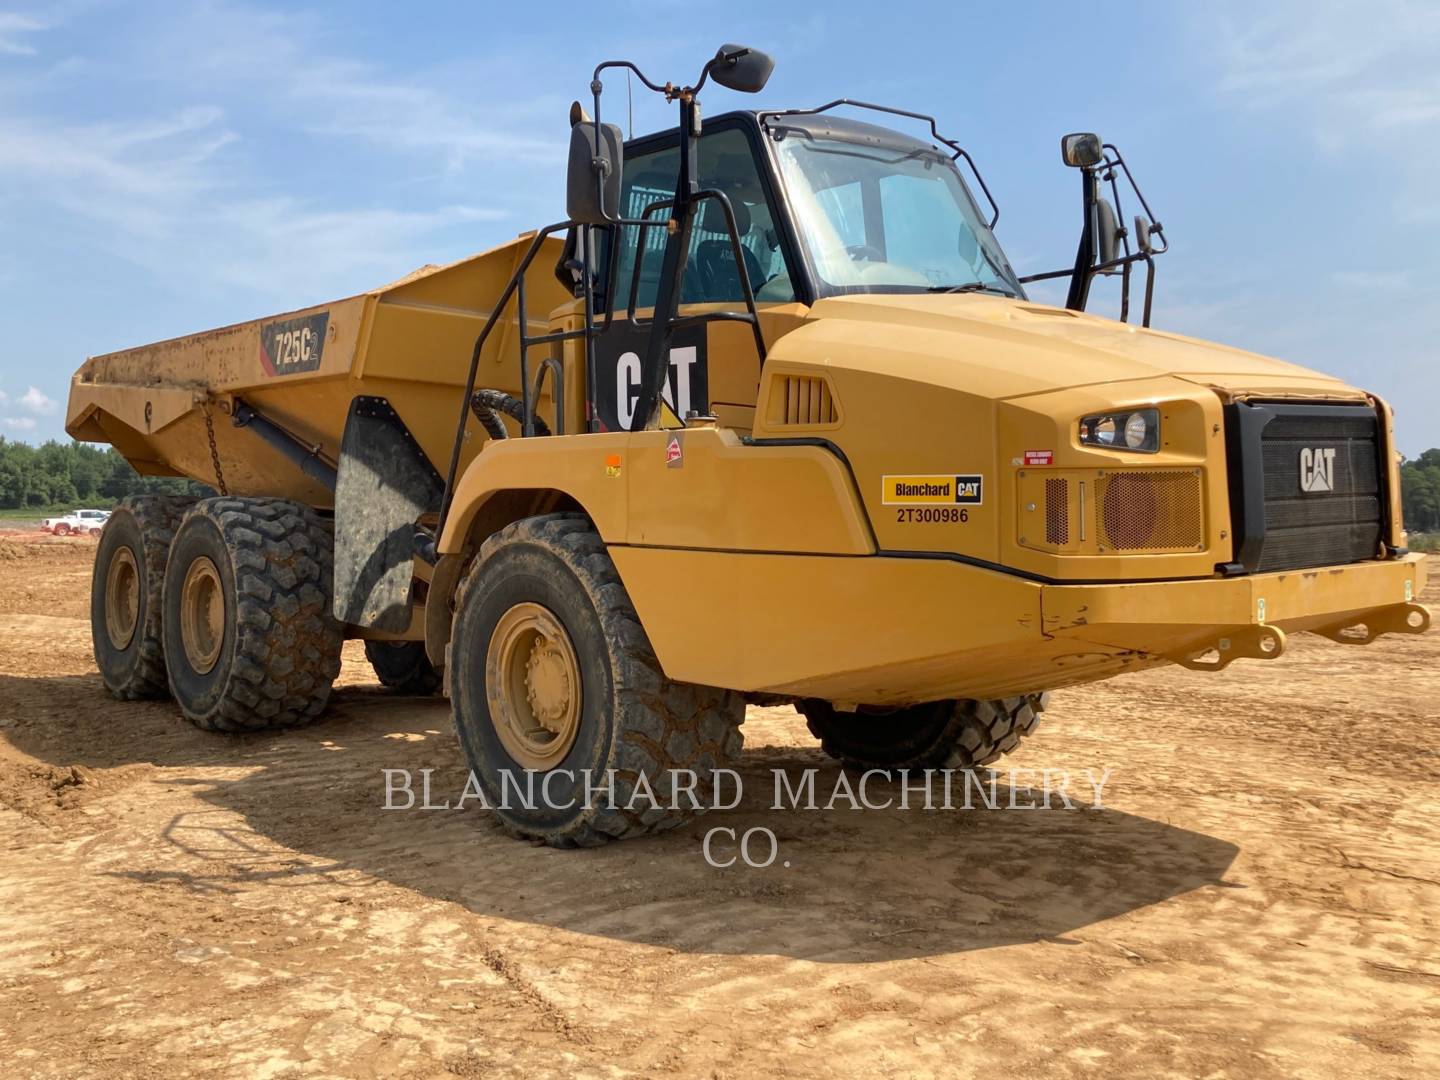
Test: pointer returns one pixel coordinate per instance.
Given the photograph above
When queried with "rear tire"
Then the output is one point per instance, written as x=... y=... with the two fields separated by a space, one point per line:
x=125 y=595
x=403 y=667
x=62 y=530
x=550 y=670
x=250 y=641
x=938 y=735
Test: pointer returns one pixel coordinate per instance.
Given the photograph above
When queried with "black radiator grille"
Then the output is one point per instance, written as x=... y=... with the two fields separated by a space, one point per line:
x=1320 y=498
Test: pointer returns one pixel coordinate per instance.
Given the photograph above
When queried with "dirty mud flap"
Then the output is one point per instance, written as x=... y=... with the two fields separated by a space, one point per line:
x=385 y=484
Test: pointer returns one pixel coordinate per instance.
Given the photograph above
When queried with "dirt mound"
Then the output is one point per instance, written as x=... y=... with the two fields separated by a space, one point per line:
x=9 y=550
x=47 y=793
x=37 y=789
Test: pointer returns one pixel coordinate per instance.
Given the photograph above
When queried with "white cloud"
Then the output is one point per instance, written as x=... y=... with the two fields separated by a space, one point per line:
x=1362 y=81
x=19 y=423
x=12 y=26
x=4 y=397
x=182 y=194
x=324 y=93
x=37 y=401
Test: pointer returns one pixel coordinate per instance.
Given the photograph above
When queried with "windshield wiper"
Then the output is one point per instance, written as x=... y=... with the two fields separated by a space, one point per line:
x=971 y=286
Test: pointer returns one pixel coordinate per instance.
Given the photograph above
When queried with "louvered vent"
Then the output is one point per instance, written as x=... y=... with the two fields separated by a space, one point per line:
x=1154 y=510
x=1057 y=512
x=802 y=401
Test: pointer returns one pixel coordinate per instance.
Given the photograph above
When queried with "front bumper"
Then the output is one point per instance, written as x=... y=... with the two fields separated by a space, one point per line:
x=883 y=630
x=1246 y=616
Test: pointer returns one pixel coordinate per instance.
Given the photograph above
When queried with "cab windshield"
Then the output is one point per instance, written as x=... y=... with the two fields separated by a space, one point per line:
x=898 y=218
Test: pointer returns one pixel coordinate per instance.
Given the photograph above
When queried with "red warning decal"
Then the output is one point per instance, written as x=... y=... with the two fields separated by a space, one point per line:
x=1039 y=457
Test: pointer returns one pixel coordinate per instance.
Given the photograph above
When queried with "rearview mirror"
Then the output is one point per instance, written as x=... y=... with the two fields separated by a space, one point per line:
x=741 y=68
x=585 y=200
x=1106 y=230
x=1142 y=235
x=1081 y=150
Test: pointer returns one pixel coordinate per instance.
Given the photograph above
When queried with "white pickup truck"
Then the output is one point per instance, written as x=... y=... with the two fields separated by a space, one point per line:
x=79 y=522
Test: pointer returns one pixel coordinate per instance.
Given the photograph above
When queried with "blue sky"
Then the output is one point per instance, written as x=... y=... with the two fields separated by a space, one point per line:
x=166 y=168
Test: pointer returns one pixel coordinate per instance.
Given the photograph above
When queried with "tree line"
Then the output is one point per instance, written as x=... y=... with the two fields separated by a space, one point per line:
x=1420 y=492
x=63 y=476
x=66 y=475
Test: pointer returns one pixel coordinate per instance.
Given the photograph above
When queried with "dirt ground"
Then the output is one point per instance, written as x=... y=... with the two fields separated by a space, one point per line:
x=1259 y=896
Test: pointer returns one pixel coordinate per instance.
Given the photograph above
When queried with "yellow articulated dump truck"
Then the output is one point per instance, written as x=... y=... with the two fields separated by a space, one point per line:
x=768 y=417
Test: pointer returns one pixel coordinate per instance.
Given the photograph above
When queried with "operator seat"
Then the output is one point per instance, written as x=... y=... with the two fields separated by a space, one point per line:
x=714 y=258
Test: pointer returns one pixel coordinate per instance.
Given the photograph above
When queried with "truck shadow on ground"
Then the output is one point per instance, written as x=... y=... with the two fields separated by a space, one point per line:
x=306 y=825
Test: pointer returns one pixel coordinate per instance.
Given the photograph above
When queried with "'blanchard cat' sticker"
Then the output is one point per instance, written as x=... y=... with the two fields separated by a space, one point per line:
x=965 y=489
x=291 y=346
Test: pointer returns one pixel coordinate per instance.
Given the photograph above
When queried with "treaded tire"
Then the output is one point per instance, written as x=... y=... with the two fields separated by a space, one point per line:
x=403 y=667
x=633 y=720
x=939 y=735
x=280 y=651
x=144 y=524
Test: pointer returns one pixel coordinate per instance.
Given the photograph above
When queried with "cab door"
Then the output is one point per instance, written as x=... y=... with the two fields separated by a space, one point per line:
x=714 y=366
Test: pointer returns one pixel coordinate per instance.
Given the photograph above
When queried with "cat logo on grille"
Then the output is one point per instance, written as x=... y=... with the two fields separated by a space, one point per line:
x=1317 y=469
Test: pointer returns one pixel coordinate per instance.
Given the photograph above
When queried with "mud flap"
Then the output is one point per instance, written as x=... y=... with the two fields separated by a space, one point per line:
x=385 y=484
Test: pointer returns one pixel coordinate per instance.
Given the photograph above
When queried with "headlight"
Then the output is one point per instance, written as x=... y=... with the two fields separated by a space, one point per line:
x=1138 y=430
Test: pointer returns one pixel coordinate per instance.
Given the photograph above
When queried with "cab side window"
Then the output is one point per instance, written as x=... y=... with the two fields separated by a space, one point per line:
x=727 y=164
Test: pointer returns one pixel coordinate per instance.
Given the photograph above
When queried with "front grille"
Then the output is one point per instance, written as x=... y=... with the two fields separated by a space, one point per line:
x=1057 y=512
x=1150 y=510
x=1306 y=485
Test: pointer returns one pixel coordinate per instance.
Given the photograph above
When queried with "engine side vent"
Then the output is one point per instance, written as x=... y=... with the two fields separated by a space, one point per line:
x=1153 y=510
x=802 y=401
x=1057 y=512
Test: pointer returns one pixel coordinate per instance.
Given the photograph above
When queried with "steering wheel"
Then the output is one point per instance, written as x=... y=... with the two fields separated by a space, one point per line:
x=865 y=252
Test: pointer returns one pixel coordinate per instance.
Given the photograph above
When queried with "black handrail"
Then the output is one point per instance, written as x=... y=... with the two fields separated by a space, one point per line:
x=958 y=150
x=515 y=287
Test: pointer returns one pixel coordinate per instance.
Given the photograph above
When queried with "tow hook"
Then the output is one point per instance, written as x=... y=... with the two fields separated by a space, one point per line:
x=1250 y=643
x=1400 y=619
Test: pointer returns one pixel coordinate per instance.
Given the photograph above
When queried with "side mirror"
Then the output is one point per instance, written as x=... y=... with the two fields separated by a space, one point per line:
x=1142 y=235
x=1082 y=150
x=1106 y=230
x=741 y=68
x=585 y=201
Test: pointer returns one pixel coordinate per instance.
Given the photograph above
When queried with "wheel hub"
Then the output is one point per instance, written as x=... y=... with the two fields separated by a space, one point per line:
x=122 y=598
x=202 y=615
x=532 y=685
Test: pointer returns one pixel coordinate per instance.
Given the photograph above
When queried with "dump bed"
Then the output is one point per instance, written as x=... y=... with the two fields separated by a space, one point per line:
x=409 y=342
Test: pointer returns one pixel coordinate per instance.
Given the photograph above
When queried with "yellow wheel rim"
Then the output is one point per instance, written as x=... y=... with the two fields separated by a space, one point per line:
x=202 y=615
x=122 y=598
x=532 y=684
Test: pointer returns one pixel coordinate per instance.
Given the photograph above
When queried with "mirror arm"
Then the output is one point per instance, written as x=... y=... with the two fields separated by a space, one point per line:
x=1050 y=275
x=1085 y=252
x=1149 y=289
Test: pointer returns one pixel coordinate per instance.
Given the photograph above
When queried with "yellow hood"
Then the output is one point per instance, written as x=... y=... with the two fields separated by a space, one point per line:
x=1004 y=348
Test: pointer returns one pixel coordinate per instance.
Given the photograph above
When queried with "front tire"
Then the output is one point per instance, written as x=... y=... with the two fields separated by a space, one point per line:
x=551 y=671
x=937 y=735
x=250 y=641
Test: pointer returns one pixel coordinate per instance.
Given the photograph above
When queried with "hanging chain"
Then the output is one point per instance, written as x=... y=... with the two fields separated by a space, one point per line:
x=214 y=452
